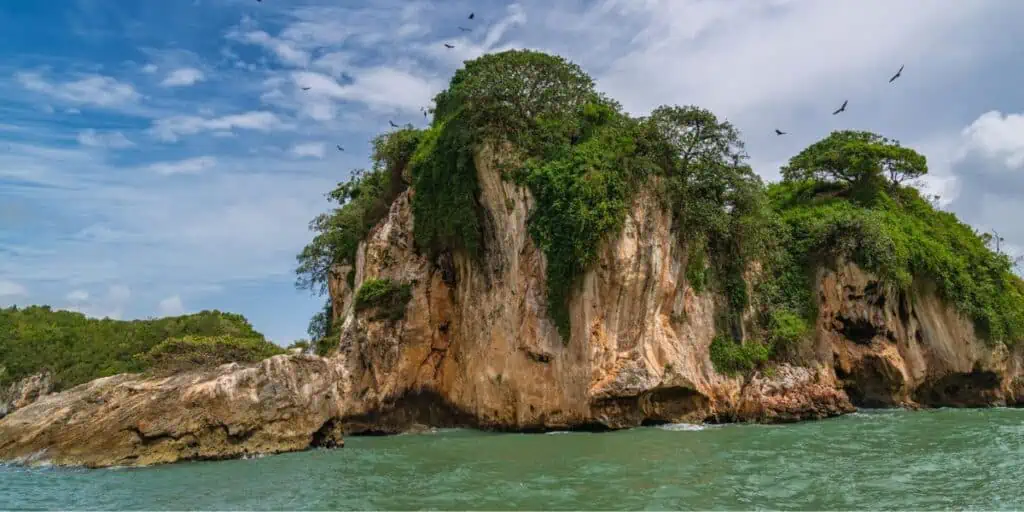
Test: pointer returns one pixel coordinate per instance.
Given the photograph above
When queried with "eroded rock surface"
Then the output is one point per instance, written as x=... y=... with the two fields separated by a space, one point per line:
x=24 y=392
x=285 y=403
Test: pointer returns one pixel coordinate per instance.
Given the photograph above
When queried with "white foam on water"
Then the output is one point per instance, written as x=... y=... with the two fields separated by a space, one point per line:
x=553 y=432
x=683 y=427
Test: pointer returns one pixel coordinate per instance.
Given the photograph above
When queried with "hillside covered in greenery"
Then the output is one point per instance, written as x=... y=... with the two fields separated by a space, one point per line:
x=77 y=349
x=848 y=196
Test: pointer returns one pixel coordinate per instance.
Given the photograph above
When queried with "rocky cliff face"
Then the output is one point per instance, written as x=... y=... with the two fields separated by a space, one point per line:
x=24 y=392
x=476 y=346
x=286 y=403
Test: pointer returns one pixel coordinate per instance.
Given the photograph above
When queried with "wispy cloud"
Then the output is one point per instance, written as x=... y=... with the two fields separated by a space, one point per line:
x=97 y=90
x=172 y=128
x=188 y=166
x=285 y=50
x=12 y=289
x=114 y=140
x=111 y=305
x=309 y=149
x=171 y=306
x=183 y=77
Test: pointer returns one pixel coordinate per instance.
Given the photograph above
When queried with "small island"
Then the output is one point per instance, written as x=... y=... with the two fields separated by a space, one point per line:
x=538 y=259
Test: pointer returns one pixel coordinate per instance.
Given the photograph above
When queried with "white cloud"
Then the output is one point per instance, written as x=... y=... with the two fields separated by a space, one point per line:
x=285 y=50
x=113 y=140
x=380 y=88
x=733 y=56
x=188 y=166
x=110 y=306
x=171 y=306
x=183 y=77
x=171 y=128
x=149 y=68
x=12 y=289
x=76 y=296
x=98 y=90
x=309 y=149
x=998 y=136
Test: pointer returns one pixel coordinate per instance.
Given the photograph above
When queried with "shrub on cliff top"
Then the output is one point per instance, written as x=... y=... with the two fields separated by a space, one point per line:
x=200 y=352
x=385 y=296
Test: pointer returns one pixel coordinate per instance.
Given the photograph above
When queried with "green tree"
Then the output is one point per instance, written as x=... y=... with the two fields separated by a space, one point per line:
x=856 y=158
x=512 y=93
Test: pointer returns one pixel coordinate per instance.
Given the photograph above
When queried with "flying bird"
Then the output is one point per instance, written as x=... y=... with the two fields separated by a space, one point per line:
x=471 y=15
x=897 y=75
x=340 y=148
x=306 y=88
x=392 y=123
x=446 y=45
x=842 y=108
x=779 y=132
x=464 y=29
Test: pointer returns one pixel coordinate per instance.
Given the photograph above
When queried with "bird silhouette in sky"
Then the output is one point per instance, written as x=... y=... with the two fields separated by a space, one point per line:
x=779 y=132
x=897 y=75
x=340 y=148
x=446 y=45
x=471 y=15
x=392 y=123
x=842 y=108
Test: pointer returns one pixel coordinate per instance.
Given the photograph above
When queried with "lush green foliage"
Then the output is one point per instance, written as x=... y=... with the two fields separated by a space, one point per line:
x=322 y=329
x=385 y=296
x=901 y=238
x=302 y=345
x=731 y=357
x=856 y=158
x=444 y=178
x=77 y=349
x=362 y=201
x=193 y=352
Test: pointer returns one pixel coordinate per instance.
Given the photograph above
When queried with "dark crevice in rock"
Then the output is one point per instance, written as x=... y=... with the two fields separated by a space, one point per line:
x=538 y=357
x=978 y=388
x=904 y=309
x=329 y=435
x=857 y=330
x=447 y=267
x=872 y=382
x=424 y=407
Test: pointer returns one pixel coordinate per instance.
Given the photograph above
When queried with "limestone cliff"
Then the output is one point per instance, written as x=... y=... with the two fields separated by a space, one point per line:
x=285 y=403
x=24 y=392
x=476 y=346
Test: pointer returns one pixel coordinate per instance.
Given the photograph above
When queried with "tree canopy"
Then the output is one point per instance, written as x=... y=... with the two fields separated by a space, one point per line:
x=856 y=158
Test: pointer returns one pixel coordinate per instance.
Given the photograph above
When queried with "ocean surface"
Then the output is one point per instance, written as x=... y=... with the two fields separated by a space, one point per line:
x=937 y=459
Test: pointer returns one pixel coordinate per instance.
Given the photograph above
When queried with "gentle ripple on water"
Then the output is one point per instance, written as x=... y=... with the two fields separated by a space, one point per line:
x=936 y=459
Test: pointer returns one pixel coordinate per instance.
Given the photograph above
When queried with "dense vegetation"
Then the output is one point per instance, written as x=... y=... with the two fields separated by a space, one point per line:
x=584 y=160
x=385 y=296
x=77 y=349
x=192 y=352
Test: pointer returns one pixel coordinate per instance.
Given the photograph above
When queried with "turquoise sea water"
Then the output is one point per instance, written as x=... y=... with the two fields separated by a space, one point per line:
x=936 y=459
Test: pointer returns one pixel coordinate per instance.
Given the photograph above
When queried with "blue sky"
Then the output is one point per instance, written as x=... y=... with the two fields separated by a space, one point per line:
x=162 y=157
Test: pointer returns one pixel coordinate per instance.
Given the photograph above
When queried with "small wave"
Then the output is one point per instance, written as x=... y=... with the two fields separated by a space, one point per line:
x=683 y=427
x=554 y=432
